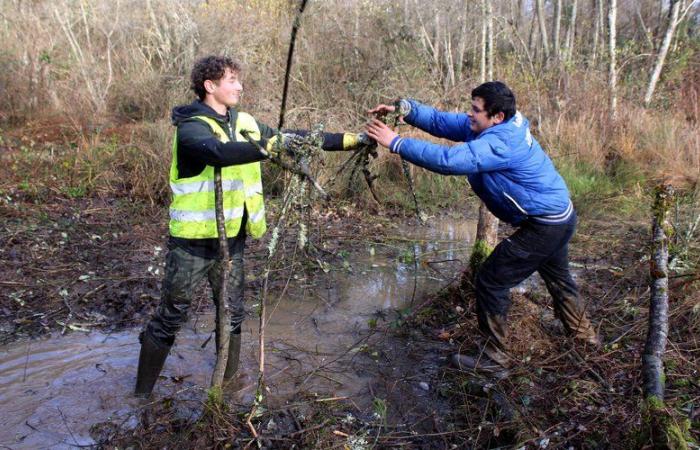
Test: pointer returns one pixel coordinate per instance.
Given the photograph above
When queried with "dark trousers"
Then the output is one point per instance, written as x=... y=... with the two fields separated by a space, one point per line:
x=183 y=273
x=533 y=247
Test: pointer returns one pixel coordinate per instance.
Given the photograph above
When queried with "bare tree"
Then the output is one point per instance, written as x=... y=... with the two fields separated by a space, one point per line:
x=77 y=25
x=543 y=27
x=487 y=227
x=489 y=26
x=462 y=43
x=557 y=27
x=571 y=33
x=484 y=30
x=612 y=77
x=672 y=23
x=598 y=29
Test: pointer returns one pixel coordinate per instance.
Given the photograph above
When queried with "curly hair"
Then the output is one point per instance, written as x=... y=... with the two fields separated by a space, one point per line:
x=210 y=68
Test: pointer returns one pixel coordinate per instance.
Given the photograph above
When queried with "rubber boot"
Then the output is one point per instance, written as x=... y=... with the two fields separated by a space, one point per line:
x=151 y=360
x=234 y=355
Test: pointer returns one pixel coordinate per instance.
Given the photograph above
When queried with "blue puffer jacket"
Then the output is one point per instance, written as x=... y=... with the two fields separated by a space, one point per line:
x=505 y=165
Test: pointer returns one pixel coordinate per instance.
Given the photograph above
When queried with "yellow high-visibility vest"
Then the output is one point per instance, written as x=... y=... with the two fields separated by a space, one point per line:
x=192 y=211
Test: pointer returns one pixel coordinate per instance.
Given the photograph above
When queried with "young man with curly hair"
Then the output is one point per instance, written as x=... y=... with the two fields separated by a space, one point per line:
x=210 y=134
x=516 y=180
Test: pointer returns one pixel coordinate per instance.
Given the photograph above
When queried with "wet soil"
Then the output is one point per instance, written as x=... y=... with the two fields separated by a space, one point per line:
x=84 y=279
x=350 y=363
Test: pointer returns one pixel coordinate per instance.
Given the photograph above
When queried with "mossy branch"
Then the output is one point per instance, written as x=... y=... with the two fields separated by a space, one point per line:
x=480 y=252
x=665 y=431
x=297 y=167
x=652 y=359
x=223 y=315
x=303 y=150
x=392 y=119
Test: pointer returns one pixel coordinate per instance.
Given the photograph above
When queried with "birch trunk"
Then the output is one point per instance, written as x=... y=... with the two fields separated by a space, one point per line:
x=483 y=41
x=598 y=7
x=557 y=27
x=673 y=22
x=462 y=45
x=665 y=430
x=571 y=33
x=487 y=227
x=532 y=39
x=543 y=27
x=489 y=26
x=612 y=73
x=652 y=359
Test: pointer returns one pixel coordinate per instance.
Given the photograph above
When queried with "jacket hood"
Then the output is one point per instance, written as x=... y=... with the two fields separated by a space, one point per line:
x=514 y=131
x=196 y=108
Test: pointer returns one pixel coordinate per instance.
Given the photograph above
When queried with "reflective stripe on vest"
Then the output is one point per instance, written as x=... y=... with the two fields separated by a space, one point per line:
x=205 y=186
x=192 y=211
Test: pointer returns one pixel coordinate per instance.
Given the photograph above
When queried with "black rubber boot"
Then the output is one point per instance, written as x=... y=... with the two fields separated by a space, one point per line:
x=151 y=360
x=234 y=354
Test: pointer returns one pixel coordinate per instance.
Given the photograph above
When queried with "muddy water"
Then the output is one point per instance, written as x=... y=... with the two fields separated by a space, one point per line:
x=53 y=390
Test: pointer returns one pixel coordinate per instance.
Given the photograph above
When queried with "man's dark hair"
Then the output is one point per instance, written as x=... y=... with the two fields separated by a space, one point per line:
x=210 y=68
x=497 y=98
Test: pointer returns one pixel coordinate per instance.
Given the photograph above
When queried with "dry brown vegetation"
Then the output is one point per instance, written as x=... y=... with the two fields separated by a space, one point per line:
x=109 y=72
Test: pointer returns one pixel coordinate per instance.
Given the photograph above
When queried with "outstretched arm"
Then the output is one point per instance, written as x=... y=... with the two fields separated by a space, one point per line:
x=331 y=141
x=480 y=155
x=446 y=125
x=196 y=142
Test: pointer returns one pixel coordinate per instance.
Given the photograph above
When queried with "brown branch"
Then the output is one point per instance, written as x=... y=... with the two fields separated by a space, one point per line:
x=302 y=170
x=223 y=319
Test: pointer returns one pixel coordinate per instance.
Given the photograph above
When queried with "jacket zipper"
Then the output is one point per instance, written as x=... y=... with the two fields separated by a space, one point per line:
x=230 y=132
x=515 y=203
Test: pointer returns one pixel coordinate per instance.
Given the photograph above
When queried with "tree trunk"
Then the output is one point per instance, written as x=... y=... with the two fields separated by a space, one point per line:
x=612 y=77
x=484 y=29
x=489 y=26
x=598 y=28
x=486 y=238
x=462 y=45
x=516 y=14
x=571 y=33
x=487 y=227
x=557 y=27
x=652 y=359
x=665 y=431
x=673 y=21
x=532 y=39
x=449 y=61
x=223 y=315
x=543 y=27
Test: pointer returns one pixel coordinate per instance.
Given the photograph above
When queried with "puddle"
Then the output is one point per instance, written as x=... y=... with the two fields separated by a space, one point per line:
x=52 y=390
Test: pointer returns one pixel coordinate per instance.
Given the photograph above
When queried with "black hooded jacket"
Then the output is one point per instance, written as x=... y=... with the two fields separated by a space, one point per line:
x=197 y=147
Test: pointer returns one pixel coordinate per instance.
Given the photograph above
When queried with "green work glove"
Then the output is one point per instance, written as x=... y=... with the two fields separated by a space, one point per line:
x=352 y=141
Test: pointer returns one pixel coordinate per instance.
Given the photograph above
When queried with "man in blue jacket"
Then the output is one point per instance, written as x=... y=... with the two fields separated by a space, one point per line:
x=517 y=181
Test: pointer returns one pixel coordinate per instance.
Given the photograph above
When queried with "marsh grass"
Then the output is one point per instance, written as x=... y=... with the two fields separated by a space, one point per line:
x=111 y=79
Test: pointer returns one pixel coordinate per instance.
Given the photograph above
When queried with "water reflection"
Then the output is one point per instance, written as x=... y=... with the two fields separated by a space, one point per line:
x=52 y=390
